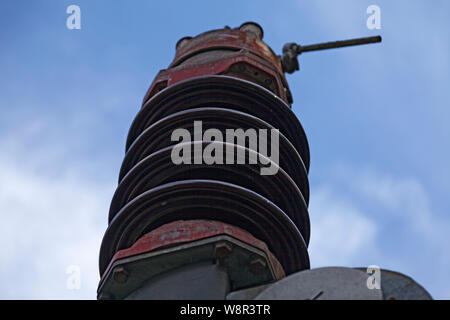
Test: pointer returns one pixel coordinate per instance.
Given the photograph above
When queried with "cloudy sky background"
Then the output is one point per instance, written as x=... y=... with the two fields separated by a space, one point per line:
x=376 y=118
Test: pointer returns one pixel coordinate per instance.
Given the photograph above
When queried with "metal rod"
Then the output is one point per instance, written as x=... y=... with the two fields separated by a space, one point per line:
x=338 y=44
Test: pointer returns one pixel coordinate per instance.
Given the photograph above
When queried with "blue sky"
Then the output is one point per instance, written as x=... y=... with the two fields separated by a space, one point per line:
x=376 y=118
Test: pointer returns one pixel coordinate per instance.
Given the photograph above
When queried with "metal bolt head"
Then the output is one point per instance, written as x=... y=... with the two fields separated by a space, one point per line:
x=257 y=266
x=182 y=42
x=120 y=274
x=222 y=250
x=254 y=28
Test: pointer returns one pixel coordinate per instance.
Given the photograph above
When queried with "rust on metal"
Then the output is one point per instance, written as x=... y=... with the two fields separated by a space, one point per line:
x=182 y=231
x=228 y=79
x=238 y=52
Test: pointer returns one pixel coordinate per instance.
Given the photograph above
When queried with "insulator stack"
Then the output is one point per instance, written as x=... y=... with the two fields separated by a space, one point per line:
x=225 y=79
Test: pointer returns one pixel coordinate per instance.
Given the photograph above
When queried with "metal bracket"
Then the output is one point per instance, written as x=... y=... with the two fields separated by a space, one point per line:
x=246 y=265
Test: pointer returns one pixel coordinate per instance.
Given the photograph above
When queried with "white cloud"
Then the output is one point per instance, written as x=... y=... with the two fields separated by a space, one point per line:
x=375 y=218
x=49 y=223
x=340 y=232
x=425 y=228
x=405 y=197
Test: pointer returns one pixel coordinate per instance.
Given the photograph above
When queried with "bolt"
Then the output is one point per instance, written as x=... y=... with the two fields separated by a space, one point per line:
x=222 y=250
x=120 y=274
x=253 y=28
x=182 y=42
x=257 y=266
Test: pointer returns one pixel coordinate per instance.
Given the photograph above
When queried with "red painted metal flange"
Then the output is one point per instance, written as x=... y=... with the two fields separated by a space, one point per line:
x=238 y=52
x=181 y=231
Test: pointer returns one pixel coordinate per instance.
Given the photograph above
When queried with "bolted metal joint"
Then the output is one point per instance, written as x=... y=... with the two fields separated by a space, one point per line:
x=257 y=266
x=222 y=250
x=120 y=274
x=289 y=60
x=245 y=260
